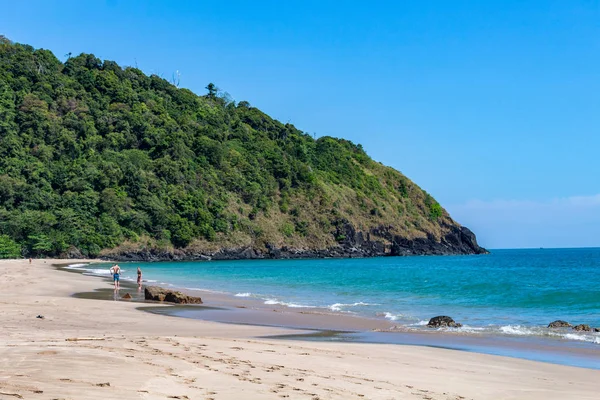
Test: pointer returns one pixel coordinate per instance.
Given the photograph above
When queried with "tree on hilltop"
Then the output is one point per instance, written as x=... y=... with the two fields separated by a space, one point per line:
x=212 y=90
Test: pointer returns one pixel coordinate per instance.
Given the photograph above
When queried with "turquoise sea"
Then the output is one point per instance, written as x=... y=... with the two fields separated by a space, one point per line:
x=508 y=292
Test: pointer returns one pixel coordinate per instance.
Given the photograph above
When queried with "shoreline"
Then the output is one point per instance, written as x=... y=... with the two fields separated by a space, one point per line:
x=137 y=355
x=343 y=327
x=225 y=305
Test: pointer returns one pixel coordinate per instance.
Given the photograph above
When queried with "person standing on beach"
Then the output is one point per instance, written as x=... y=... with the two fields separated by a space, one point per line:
x=139 y=280
x=115 y=270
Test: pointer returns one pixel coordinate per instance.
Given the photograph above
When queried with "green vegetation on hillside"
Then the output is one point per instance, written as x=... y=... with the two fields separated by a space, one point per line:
x=94 y=156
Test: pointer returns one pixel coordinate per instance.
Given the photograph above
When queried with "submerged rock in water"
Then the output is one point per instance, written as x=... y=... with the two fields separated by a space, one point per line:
x=157 y=293
x=126 y=296
x=443 y=321
x=582 y=328
x=559 y=324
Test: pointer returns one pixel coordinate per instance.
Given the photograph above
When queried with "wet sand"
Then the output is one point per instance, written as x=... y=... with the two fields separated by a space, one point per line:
x=334 y=326
x=91 y=349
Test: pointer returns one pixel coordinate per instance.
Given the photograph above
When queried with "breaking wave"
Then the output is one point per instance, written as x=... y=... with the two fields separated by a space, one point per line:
x=283 y=303
x=341 y=306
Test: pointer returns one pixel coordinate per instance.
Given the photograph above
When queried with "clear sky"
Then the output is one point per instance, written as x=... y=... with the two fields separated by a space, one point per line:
x=490 y=106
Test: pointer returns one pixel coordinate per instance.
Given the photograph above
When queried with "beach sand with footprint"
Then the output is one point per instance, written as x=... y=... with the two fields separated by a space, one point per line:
x=92 y=349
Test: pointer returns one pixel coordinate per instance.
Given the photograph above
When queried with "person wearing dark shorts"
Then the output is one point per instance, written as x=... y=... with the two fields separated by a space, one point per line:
x=139 y=279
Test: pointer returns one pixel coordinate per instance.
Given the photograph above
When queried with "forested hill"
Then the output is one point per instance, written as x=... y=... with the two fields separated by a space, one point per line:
x=97 y=159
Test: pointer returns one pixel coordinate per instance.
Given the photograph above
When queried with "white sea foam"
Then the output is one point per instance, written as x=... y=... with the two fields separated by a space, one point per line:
x=512 y=330
x=420 y=323
x=292 y=305
x=282 y=303
x=390 y=316
x=199 y=289
x=336 y=307
x=470 y=329
x=244 y=295
x=591 y=338
x=574 y=336
x=98 y=271
x=76 y=266
x=517 y=330
x=405 y=318
x=339 y=306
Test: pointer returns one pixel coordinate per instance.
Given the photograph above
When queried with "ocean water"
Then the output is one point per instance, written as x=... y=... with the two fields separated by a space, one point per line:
x=508 y=292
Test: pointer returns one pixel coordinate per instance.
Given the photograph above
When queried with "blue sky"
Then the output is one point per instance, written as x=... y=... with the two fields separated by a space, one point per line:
x=492 y=107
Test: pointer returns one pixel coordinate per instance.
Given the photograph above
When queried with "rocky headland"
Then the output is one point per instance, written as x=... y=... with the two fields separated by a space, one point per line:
x=377 y=242
x=127 y=166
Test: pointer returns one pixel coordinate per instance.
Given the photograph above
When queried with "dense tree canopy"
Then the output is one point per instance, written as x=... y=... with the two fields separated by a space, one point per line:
x=93 y=155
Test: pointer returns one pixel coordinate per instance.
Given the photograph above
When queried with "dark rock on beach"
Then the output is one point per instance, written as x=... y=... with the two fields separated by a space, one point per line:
x=596 y=329
x=443 y=321
x=559 y=324
x=156 y=293
x=582 y=328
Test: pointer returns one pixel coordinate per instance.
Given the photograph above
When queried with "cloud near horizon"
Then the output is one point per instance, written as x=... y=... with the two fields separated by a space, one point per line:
x=561 y=222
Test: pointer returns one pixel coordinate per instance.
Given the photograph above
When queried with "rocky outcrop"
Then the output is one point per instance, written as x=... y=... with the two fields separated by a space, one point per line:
x=459 y=240
x=72 y=253
x=156 y=293
x=150 y=254
x=351 y=243
x=582 y=328
x=559 y=324
x=443 y=321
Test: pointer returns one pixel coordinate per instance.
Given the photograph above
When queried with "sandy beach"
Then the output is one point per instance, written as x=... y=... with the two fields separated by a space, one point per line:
x=95 y=349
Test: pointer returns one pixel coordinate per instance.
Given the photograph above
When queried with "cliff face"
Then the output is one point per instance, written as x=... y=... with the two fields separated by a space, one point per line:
x=100 y=160
x=378 y=242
